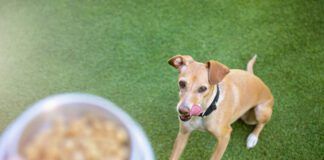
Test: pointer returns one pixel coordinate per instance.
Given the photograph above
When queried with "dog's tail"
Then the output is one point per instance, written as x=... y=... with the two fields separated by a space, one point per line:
x=250 y=64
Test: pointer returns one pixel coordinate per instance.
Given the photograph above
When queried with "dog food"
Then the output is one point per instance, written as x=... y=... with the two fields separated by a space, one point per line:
x=87 y=138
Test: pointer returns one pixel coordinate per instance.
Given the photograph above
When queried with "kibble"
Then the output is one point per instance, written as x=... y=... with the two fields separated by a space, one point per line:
x=86 y=138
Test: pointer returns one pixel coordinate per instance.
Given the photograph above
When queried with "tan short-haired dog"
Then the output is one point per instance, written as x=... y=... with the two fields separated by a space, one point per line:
x=212 y=97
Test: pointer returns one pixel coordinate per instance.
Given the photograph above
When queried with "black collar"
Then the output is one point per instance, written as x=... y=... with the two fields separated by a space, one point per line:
x=212 y=106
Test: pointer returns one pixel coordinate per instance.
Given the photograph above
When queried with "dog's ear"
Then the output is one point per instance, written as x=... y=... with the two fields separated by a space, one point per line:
x=180 y=61
x=216 y=71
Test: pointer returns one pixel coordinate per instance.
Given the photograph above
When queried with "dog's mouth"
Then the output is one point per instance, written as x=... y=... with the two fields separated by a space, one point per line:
x=184 y=117
x=194 y=111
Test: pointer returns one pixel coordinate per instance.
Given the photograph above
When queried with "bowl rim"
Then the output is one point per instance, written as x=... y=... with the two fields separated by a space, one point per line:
x=140 y=146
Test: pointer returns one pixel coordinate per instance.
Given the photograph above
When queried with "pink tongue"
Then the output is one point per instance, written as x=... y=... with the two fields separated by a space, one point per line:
x=195 y=110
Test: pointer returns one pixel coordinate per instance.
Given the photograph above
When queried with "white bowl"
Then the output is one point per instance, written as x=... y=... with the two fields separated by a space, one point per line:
x=70 y=105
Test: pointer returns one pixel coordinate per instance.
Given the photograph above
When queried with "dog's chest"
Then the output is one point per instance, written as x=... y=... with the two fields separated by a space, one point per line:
x=196 y=123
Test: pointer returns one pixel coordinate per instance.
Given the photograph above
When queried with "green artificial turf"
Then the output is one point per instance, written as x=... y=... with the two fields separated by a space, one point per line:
x=119 y=50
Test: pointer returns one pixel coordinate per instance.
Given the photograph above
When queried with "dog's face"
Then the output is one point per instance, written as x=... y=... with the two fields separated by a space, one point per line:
x=196 y=83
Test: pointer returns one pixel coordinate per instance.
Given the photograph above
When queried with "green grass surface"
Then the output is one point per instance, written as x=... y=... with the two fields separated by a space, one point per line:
x=119 y=50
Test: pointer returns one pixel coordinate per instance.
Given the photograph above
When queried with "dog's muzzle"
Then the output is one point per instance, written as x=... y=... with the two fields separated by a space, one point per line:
x=186 y=113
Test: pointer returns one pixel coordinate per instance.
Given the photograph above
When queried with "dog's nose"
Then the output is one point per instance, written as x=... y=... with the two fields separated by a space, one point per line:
x=184 y=110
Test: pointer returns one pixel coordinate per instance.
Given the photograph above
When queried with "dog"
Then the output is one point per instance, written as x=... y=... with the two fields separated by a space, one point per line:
x=212 y=97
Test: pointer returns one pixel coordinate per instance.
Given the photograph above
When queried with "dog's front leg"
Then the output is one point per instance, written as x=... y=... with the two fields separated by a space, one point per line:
x=180 y=143
x=223 y=135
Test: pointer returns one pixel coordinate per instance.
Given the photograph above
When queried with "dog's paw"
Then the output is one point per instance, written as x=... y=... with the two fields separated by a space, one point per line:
x=252 y=140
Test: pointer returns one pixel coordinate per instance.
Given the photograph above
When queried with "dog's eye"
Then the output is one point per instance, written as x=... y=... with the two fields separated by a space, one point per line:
x=202 y=89
x=182 y=84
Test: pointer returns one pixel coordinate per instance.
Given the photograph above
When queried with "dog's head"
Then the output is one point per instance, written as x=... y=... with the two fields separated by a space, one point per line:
x=196 y=83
